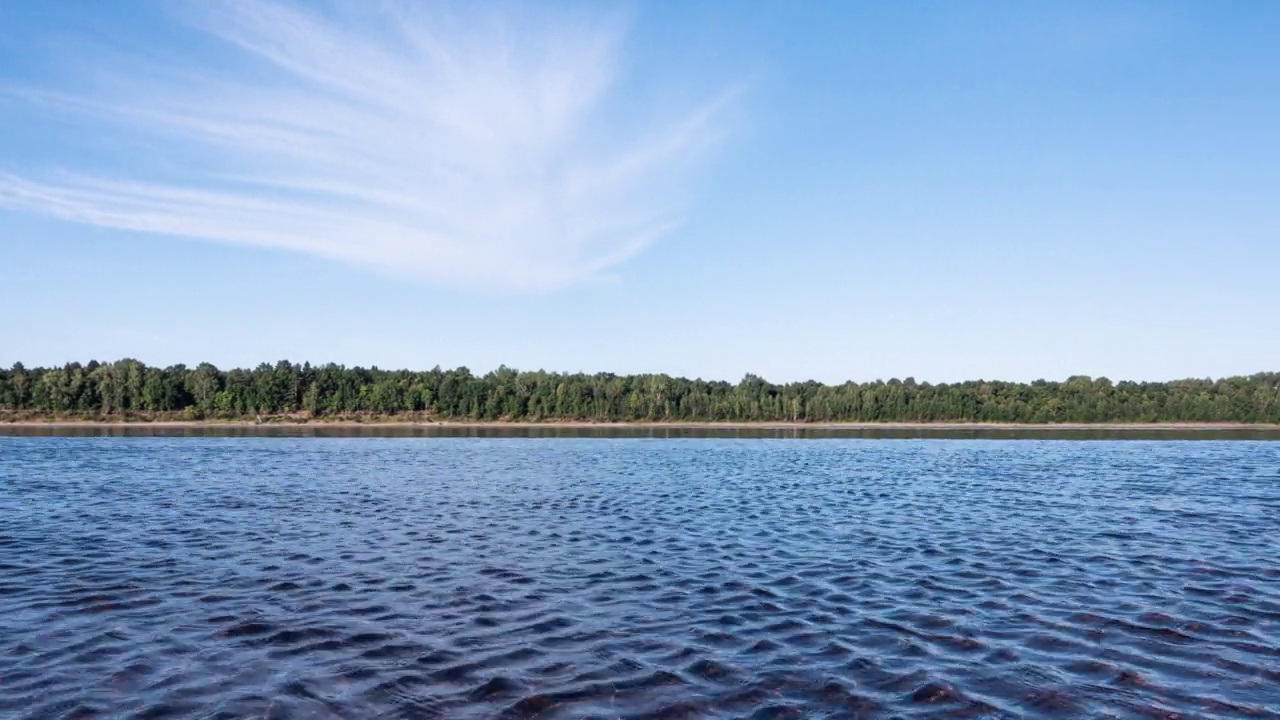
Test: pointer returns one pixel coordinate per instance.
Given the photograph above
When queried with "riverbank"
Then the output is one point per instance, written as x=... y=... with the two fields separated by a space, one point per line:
x=55 y=423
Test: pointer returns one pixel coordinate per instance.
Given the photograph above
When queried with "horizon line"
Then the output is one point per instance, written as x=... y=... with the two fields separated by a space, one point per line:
x=908 y=380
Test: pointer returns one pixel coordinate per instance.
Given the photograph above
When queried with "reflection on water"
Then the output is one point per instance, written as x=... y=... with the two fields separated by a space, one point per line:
x=642 y=431
x=413 y=578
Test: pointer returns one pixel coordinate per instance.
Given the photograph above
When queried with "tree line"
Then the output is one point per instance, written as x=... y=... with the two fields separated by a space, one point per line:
x=130 y=389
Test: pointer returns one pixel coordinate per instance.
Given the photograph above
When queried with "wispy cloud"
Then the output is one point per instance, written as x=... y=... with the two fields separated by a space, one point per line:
x=466 y=151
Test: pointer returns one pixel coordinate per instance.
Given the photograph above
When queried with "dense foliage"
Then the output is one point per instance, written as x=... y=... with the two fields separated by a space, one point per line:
x=130 y=388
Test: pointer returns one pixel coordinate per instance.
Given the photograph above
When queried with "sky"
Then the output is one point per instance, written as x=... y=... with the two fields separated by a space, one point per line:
x=824 y=190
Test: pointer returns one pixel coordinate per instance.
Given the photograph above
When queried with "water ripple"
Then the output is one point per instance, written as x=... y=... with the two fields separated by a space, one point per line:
x=458 y=578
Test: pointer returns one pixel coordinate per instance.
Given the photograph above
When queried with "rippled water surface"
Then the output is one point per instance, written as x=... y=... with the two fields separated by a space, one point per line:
x=459 y=578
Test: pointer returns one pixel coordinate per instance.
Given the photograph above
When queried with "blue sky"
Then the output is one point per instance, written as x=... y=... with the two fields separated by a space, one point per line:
x=800 y=190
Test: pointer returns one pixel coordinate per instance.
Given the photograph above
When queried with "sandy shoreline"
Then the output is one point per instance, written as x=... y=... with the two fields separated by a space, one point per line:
x=581 y=425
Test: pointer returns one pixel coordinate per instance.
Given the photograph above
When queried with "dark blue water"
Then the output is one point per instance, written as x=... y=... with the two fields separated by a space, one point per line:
x=460 y=578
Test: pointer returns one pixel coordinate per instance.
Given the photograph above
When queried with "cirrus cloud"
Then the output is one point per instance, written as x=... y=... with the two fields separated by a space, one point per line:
x=479 y=151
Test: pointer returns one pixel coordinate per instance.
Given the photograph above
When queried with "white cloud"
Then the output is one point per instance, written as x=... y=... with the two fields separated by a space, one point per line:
x=476 y=151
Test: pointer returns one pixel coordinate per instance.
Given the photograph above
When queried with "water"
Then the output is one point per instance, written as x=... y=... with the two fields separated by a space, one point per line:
x=665 y=432
x=566 y=578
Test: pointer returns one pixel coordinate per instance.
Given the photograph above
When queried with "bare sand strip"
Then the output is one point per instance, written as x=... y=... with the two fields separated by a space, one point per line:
x=563 y=424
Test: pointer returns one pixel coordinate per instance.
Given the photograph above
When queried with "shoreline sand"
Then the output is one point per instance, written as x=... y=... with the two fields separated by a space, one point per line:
x=569 y=424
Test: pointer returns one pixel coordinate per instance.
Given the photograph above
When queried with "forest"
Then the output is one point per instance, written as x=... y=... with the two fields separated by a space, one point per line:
x=129 y=389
